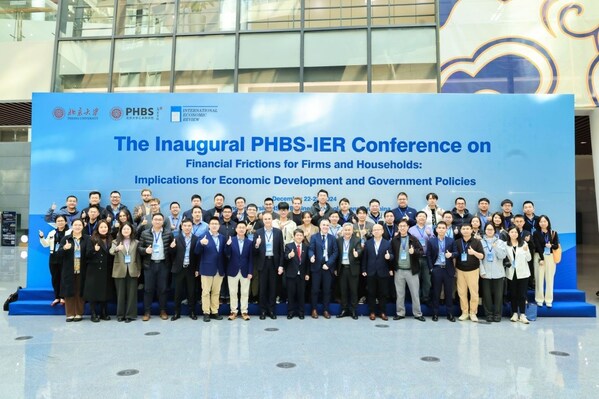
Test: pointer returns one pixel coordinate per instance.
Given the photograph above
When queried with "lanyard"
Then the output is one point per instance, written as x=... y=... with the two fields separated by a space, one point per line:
x=421 y=231
x=487 y=246
x=157 y=237
x=441 y=246
x=390 y=230
x=402 y=213
x=268 y=236
x=404 y=243
x=546 y=237
x=91 y=227
x=465 y=246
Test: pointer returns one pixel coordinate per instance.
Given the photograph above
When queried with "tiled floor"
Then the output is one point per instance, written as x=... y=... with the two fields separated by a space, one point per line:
x=331 y=358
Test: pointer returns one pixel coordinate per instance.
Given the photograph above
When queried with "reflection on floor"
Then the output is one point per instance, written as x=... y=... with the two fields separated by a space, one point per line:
x=44 y=357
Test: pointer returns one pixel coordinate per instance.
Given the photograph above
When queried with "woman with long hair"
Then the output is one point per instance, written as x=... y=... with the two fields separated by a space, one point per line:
x=98 y=278
x=124 y=216
x=126 y=271
x=72 y=251
x=52 y=241
x=518 y=273
x=307 y=227
x=498 y=220
x=546 y=241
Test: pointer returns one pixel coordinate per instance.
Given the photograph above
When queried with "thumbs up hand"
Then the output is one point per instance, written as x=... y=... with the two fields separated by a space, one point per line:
x=447 y=254
x=174 y=243
x=355 y=253
x=149 y=249
x=204 y=241
x=229 y=241
x=387 y=256
x=291 y=254
x=67 y=245
x=411 y=250
x=258 y=241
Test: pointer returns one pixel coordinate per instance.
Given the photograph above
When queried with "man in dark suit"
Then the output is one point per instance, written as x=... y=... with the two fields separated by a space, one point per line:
x=296 y=271
x=239 y=271
x=153 y=247
x=440 y=262
x=348 y=270
x=211 y=249
x=323 y=257
x=376 y=267
x=185 y=269
x=407 y=252
x=268 y=257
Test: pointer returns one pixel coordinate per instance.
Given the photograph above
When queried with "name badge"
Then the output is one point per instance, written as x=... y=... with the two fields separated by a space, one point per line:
x=547 y=251
x=78 y=253
x=403 y=255
x=490 y=256
x=156 y=249
x=56 y=246
x=251 y=237
x=464 y=257
x=345 y=256
x=422 y=242
x=127 y=258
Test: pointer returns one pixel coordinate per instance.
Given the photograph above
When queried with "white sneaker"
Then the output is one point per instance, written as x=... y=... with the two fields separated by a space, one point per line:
x=523 y=319
x=473 y=318
x=514 y=317
x=362 y=300
x=540 y=304
x=463 y=317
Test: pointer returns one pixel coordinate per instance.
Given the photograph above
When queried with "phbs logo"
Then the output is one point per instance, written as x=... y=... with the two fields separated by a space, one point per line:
x=58 y=113
x=116 y=113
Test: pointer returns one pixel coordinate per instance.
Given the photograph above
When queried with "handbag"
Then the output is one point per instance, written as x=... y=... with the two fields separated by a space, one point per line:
x=557 y=253
x=531 y=311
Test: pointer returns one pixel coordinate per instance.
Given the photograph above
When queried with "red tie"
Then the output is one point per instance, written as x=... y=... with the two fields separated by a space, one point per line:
x=299 y=252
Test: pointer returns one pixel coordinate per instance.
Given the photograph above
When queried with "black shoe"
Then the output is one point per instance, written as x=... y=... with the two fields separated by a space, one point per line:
x=272 y=316
x=175 y=317
x=342 y=314
x=489 y=319
x=420 y=318
x=354 y=316
x=262 y=316
x=301 y=316
x=206 y=317
x=193 y=316
x=496 y=319
x=95 y=318
x=435 y=317
x=451 y=318
x=105 y=317
x=120 y=318
x=398 y=317
x=290 y=316
x=128 y=320
x=216 y=317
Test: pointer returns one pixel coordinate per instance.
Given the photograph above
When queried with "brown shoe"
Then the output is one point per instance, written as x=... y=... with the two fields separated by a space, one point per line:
x=146 y=317
x=326 y=314
x=163 y=315
x=384 y=317
x=232 y=316
x=245 y=316
x=372 y=316
x=314 y=314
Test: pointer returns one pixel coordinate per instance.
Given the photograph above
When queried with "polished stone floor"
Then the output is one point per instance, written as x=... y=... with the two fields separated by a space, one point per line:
x=44 y=357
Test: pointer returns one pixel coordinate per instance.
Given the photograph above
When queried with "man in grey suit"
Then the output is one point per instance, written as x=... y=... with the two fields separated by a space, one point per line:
x=348 y=270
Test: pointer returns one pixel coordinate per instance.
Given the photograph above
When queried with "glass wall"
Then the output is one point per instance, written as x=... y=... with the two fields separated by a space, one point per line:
x=205 y=64
x=27 y=20
x=354 y=46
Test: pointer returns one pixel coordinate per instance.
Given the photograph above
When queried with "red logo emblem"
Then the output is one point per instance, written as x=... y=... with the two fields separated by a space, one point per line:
x=58 y=113
x=116 y=113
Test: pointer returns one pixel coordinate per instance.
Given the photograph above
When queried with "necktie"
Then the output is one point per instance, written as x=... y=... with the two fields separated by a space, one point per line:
x=299 y=252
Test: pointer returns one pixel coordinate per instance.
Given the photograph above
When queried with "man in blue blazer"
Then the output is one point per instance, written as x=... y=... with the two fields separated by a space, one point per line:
x=376 y=267
x=184 y=269
x=268 y=257
x=439 y=255
x=296 y=271
x=211 y=248
x=323 y=258
x=239 y=271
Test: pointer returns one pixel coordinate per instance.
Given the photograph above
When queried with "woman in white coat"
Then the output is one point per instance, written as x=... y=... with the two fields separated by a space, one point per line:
x=518 y=273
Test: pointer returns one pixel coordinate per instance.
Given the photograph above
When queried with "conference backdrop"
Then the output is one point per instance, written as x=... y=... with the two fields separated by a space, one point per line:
x=359 y=146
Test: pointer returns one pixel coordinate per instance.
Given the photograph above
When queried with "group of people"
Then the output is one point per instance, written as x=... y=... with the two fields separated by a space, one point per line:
x=99 y=253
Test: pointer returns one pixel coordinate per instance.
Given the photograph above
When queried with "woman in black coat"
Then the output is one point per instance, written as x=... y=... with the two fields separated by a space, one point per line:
x=98 y=278
x=72 y=252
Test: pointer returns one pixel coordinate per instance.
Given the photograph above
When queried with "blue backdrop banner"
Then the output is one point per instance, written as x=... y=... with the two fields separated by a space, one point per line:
x=359 y=146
